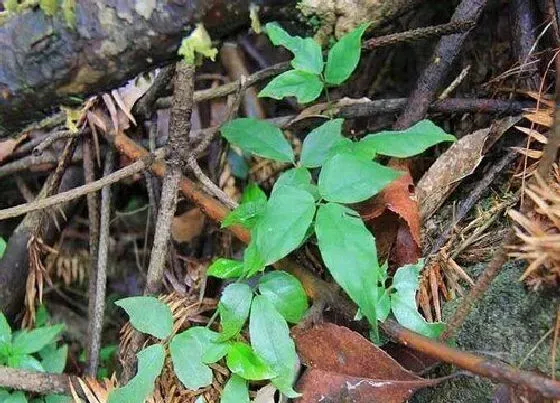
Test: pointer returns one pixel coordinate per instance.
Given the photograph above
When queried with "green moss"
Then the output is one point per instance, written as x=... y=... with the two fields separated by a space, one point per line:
x=49 y=7
x=506 y=324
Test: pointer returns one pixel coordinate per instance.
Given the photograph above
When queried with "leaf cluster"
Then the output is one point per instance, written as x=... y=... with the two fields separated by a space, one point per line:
x=277 y=299
x=33 y=350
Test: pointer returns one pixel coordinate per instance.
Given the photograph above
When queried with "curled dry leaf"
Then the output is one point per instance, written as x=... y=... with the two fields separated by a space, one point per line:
x=187 y=226
x=459 y=161
x=344 y=366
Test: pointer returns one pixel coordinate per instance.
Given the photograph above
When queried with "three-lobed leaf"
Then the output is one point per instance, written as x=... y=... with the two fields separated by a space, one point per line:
x=348 y=250
x=270 y=339
x=344 y=56
x=318 y=143
x=243 y=361
x=284 y=223
x=150 y=364
x=226 y=268
x=29 y=342
x=304 y=86
x=286 y=293
x=235 y=391
x=258 y=137
x=233 y=308
x=403 y=301
x=148 y=315
x=348 y=178
x=307 y=53
x=406 y=143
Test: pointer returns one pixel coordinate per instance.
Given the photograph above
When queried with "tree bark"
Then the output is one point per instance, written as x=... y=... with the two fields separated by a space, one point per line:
x=43 y=60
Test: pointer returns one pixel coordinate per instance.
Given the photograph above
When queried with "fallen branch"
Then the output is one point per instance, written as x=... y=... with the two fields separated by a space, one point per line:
x=72 y=194
x=444 y=55
x=38 y=382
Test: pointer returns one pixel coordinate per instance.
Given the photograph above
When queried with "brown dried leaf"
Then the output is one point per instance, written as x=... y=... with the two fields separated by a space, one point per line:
x=112 y=111
x=541 y=117
x=402 y=239
x=459 y=161
x=344 y=366
x=188 y=225
x=7 y=148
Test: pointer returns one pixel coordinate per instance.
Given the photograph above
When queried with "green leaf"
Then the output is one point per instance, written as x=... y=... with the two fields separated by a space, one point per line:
x=235 y=391
x=284 y=223
x=14 y=397
x=54 y=359
x=344 y=56
x=25 y=361
x=214 y=351
x=296 y=177
x=253 y=262
x=226 y=268
x=5 y=330
x=148 y=315
x=243 y=361
x=258 y=137
x=150 y=364
x=196 y=45
x=3 y=245
x=30 y=342
x=187 y=351
x=348 y=178
x=306 y=87
x=406 y=143
x=108 y=352
x=286 y=293
x=58 y=399
x=270 y=339
x=318 y=143
x=41 y=316
x=383 y=306
x=246 y=214
x=307 y=52
x=348 y=250
x=253 y=193
x=234 y=306
x=347 y=146
x=403 y=301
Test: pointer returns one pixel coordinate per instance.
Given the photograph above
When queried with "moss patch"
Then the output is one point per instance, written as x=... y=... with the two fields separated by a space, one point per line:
x=507 y=323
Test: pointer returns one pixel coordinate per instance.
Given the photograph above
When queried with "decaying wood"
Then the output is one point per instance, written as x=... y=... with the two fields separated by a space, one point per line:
x=43 y=60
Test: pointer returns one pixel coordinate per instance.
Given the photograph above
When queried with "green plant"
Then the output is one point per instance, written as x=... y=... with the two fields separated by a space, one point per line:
x=276 y=299
x=34 y=350
x=297 y=208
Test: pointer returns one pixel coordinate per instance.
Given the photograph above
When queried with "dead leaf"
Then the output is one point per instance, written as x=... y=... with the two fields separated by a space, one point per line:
x=459 y=161
x=266 y=394
x=403 y=241
x=188 y=225
x=541 y=117
x=112 y=111
x=7 y=148
x=344 y=366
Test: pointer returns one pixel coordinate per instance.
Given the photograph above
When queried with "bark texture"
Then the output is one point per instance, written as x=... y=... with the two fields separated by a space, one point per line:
x=43 y=60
